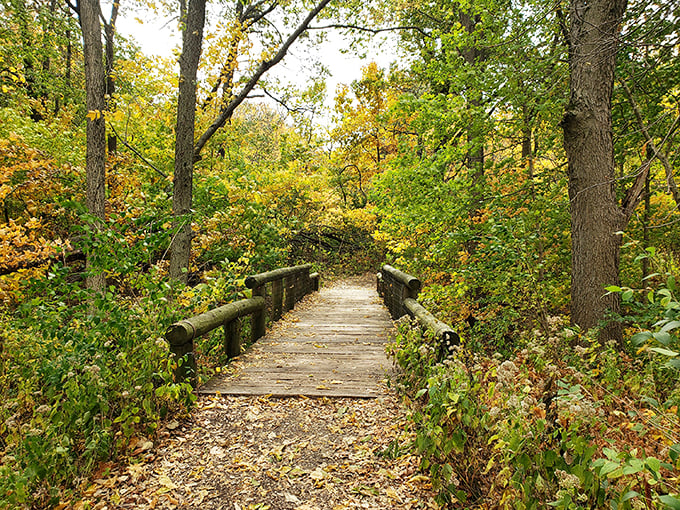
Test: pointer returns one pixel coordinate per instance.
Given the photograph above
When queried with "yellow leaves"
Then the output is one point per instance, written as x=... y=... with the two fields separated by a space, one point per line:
x=32 y=224
x=94 y=114
x=166 y=484
x=22 y=244
x=400 y=246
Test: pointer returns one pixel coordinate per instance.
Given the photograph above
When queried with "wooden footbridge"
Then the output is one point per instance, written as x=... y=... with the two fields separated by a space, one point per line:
x=332 y=344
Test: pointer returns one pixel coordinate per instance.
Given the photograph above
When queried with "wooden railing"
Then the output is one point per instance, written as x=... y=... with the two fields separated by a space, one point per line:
x=400 y=293
x=288 y=286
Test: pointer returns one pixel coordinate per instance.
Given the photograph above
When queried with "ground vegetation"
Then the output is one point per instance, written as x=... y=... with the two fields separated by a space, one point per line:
x=521 y=159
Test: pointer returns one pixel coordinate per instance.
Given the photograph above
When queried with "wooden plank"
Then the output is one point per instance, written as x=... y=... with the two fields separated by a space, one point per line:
x=332 y=346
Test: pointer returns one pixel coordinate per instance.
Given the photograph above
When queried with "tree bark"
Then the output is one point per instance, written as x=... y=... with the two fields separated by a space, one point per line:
x=588 y=142
x=186 y=153
x=96 y=129
x=192 y=39
x=473 y=56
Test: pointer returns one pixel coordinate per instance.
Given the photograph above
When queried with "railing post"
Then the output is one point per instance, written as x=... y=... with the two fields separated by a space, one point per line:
x=302 y=283
x=397 y=286
x=232 y=338
x=185 y=369
x=289 y=283
x=258 y=321
x=277 y=299
x=314 y=282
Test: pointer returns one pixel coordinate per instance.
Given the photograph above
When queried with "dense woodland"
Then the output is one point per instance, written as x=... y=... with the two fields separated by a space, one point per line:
x=520 y=157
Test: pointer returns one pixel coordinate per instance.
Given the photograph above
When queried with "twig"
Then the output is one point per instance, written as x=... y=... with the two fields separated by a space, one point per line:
x=372 y=30
x=137 y=153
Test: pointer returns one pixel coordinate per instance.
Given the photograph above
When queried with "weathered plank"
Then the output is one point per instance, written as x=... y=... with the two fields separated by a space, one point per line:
x=332 y=345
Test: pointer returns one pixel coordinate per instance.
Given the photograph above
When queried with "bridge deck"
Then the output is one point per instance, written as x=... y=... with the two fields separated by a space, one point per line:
x=332 y=345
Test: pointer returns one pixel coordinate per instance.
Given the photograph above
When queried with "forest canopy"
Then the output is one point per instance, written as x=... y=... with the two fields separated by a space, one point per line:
x=520 y=157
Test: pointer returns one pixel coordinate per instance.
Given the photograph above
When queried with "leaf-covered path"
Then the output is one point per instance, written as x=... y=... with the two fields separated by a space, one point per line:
x=262 y=452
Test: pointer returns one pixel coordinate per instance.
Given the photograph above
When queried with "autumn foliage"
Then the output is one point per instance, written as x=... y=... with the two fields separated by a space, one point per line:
x=449 y=165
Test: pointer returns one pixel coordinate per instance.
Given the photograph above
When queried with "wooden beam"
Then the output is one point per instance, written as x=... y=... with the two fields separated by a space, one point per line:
x=411 y=282
x=277 y=274
x=442 y=331
x=185 y=331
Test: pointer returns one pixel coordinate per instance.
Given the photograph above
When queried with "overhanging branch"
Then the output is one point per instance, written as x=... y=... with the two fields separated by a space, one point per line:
x=137 y=153
x=265 y=66
x=372 y=30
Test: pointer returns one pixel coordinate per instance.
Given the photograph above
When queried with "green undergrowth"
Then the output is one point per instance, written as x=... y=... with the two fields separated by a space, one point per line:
x=78 y=382
x=560 y=421
x=83 y=378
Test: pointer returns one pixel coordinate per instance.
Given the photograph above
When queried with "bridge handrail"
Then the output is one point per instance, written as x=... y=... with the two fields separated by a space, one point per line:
x=292 y=282
x=400 y=293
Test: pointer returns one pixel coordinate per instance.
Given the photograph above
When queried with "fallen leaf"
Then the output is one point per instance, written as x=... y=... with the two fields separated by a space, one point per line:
x=166 y=484
x=392 y=494
x=317 y=474
x=217 y=451
x=290 y=498
x=142 y=446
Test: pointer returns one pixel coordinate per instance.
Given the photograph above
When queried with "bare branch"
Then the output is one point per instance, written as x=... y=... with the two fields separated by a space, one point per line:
x=253 y=15
x=372 y=30
x=73 y=7
x=137 y=153
x=634 y=193
x=265 y=66
x=656 y=152
x=283 y=103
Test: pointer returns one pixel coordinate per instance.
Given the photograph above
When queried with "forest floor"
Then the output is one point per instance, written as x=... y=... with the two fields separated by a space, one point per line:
x=260 y=453
x=266 y=453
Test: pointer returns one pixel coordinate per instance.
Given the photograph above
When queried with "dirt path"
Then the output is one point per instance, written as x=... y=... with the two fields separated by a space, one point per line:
x=267 y=453
x=241 y=453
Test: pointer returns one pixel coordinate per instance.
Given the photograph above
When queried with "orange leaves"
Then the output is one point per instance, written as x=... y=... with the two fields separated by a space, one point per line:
x=29 y=186
x=28 y=180
x=23 y=247
x=24 y=244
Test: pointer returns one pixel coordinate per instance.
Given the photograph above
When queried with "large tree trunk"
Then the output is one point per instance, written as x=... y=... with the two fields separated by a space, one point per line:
x=192 y=38
x=587 y=124
x=96 y=129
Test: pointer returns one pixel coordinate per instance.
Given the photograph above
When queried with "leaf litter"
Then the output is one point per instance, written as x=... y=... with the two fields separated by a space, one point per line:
x=265 y=453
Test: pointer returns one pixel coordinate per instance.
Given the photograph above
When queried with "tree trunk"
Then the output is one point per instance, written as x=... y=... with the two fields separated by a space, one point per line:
x=587 y=124
x=473 y=56
x=192 y=38
x=645 y=231
x=96 y=130
x=186 y=152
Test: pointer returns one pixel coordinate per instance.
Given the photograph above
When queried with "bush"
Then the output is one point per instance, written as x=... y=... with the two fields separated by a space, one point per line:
x=77 y=384
x=563 y=421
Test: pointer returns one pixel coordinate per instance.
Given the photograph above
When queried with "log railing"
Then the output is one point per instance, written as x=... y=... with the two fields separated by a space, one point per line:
x=288 y=286
x=400 y=293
